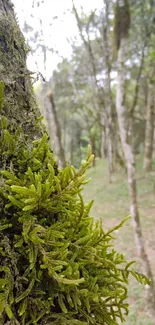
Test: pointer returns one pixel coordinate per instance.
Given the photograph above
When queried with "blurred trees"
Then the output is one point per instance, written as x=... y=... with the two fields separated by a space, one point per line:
x=122 y=27
x=84 y=85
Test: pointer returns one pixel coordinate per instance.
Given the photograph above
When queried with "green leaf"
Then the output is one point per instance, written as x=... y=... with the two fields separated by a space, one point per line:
x=8 y=311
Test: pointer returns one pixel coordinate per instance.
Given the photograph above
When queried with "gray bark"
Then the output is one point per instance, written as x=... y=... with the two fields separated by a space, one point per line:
x=108 y=99
x=19 y=103
x=56 y=130
x=131 y=172
x=103 y=138
x=149 y=129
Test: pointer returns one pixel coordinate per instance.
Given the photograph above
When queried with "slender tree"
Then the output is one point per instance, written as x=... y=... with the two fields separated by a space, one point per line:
x=104 y=98
x=122 y=25
x=109 y=111
x=149 y=129
x=56 y=129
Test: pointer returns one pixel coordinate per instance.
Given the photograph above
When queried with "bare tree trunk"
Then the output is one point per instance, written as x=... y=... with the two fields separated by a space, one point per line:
x=58 y=148
x=109 y=150
x=130 y=165
x=149 y=129
x=108 y=99
x=106 y=142
x=103 y=138
x=72 y=147
x=103 y=144
x=92 y=143
x=48 y=121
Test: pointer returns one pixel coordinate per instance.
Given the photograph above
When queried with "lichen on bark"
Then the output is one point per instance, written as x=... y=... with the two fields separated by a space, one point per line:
x=19 y=103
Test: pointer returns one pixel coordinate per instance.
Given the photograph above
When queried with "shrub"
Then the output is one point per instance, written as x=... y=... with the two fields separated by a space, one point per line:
x=58 y=266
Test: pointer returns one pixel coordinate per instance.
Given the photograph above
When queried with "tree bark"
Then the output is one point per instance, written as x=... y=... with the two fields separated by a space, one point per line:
x=58 y=148
x=108 y=99
x=131 y=172
x=19 y=104
x=92 y=143
x=149 y=129
x=103 y=143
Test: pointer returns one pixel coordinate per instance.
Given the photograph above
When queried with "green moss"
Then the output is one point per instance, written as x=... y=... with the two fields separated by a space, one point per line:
x=57 y=264
x=19 y=102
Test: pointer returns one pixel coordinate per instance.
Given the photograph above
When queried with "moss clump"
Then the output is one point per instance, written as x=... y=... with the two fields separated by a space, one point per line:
x=57 y=265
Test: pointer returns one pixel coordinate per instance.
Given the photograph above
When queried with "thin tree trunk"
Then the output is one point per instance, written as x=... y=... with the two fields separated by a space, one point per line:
x=149 y=130
x=92 y=143
x=48 y=118
x=64 y=133
x=109 y=150
x=72 y=149
x=108 y=93
x=103 y=137
x=58 y=148
x=130 y=164
x=107 y=143
x=103 y=144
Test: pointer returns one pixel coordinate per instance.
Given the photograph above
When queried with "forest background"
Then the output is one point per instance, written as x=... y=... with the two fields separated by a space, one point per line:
x=98 y=65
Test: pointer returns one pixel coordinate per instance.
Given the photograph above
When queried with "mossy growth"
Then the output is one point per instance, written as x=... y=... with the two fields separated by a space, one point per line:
x=57 y=265
x=19 y=101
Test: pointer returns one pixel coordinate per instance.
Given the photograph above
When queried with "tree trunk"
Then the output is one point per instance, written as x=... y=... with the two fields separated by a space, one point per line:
x=103 y=144
x=58 y=148
x=149 y=129
x=103 y=138
x=130 y=165
x=109 y=149
x=108 y=93
x=92 y=144
x=19 y=104
x=48 y=121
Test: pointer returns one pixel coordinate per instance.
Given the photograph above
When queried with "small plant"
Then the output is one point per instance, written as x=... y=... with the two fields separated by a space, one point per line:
x=57 y=265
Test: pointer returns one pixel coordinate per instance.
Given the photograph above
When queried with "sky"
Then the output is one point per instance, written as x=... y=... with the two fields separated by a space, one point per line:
x=56 y=31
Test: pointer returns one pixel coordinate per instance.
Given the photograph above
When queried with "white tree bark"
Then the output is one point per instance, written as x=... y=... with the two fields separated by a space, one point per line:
x=108 y=92
x=149 y=129
x=130 y=165
x=103 y=145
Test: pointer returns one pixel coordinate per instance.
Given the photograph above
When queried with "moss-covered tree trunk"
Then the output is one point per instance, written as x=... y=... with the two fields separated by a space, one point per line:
x=19 y=104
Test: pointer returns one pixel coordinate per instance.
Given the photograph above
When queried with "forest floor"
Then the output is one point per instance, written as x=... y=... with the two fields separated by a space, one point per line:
x=111 y=203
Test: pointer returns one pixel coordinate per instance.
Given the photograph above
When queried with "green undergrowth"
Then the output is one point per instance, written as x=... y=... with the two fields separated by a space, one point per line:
x=112 y=204
x=57 y=265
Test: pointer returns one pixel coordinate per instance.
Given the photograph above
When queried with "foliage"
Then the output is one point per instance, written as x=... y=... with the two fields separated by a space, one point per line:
x=111 y=202
x=57 y=265
x=73 y=85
